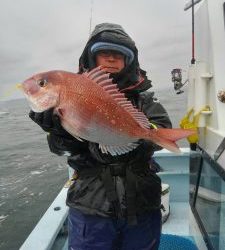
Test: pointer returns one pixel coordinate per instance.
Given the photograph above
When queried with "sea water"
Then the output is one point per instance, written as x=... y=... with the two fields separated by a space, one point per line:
x=30 y=175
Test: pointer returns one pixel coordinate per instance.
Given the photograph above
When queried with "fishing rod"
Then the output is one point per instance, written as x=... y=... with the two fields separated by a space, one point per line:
x=193 y=34
x=90 y=26
x=191 y=5
x=177 y=73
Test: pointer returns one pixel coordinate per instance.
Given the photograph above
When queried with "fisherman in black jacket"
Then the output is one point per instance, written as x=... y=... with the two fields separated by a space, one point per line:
x=114 y=200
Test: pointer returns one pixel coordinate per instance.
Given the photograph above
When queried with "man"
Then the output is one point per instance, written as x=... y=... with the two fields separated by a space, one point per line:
x=114 y=200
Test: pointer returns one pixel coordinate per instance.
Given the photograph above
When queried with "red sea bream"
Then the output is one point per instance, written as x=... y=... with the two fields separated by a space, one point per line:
x=92 y=108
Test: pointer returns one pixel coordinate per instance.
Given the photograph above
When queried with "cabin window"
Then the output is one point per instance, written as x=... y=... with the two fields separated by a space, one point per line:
x=208 y=198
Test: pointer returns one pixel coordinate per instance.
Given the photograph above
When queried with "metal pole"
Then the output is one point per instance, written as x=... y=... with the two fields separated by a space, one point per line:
x=193 y=34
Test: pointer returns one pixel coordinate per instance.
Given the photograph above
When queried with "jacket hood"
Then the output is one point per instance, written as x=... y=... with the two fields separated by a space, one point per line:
x=132 y=79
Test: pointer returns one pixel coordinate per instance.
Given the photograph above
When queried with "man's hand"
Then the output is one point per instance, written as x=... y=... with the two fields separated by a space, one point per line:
x=49 y=122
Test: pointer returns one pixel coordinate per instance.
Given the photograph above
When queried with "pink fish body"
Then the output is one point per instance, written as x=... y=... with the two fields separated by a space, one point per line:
x=91 y=107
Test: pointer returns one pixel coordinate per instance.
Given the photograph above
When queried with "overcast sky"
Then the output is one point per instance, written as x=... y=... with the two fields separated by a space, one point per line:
x=40 y=35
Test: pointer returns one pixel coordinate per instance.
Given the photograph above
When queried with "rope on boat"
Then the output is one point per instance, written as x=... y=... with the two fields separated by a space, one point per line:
x=186 y=123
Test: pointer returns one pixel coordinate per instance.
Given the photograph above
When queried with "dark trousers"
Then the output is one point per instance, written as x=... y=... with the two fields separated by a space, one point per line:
x=89 y=232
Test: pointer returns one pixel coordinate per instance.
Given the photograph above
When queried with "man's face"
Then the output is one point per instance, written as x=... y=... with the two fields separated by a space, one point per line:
x=112 y=61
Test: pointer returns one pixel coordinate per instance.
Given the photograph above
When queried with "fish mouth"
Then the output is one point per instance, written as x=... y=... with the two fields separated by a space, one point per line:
x=19 y=86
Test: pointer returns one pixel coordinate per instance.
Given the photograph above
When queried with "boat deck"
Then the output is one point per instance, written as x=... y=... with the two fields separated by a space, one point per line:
x=178 y=221
x=176 y=224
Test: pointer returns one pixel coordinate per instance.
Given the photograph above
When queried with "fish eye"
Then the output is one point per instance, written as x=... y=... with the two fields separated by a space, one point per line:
x=42 y=82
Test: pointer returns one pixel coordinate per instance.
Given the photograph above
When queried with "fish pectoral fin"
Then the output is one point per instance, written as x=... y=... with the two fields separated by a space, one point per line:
x=117 y=150
x=60 y=112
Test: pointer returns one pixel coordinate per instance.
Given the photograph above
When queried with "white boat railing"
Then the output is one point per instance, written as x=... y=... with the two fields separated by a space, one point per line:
x=45 y=232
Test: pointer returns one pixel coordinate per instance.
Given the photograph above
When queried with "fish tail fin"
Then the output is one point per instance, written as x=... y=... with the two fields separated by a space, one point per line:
x=166 y=138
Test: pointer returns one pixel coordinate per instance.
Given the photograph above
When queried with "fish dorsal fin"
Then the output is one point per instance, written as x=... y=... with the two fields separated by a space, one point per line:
x=99 y=76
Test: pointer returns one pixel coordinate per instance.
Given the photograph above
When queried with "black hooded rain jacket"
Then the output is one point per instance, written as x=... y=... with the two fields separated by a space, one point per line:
x=115 y=186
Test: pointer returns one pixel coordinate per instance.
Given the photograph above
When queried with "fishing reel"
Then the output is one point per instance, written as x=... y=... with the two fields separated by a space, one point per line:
x=177 y=80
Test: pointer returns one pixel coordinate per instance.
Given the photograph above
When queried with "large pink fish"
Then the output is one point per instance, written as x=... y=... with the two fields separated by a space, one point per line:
x=91 y=107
